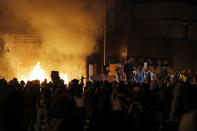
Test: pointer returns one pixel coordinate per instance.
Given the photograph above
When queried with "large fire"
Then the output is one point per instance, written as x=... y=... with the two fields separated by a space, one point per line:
x=64 y=77
x=38 y=73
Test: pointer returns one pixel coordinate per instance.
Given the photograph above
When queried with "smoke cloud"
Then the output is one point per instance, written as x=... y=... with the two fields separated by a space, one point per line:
x=67 y=29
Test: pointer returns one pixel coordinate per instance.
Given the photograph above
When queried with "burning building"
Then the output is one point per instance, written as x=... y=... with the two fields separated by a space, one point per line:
x=66 y=33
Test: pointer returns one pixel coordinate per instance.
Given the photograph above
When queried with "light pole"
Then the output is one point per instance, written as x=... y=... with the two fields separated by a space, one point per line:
x=105 y=31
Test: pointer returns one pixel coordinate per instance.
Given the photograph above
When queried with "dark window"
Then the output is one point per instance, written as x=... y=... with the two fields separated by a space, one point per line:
x=185 y=29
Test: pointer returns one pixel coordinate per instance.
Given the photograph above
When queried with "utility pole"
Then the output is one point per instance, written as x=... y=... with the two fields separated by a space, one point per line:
x=106 y=31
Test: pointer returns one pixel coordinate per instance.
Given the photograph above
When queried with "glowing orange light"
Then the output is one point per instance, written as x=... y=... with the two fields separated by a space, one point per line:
x=36 y=74
x=64 y=77
x=39 y=74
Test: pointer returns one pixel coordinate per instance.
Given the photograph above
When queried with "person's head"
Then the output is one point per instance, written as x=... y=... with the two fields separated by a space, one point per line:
x=22 y=83
x=45 y=81
x=55 y=76
x=15 y=79
x=36 y=82
x=75 y=82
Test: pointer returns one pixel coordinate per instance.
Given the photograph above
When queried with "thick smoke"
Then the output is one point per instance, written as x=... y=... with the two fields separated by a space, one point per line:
x=68 y=30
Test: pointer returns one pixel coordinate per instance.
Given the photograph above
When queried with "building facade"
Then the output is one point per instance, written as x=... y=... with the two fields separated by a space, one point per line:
x=157 y=29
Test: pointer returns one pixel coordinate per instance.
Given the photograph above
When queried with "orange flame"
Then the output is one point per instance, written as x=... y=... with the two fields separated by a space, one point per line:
x=64 y=77
x=38 y=73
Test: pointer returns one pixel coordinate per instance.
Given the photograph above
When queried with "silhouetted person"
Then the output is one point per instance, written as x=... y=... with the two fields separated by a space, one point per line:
x=118 y=71
x=11 y=110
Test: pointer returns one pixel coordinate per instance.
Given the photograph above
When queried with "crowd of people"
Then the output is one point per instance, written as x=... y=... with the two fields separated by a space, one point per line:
x=144 y=100
x=139 y=73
